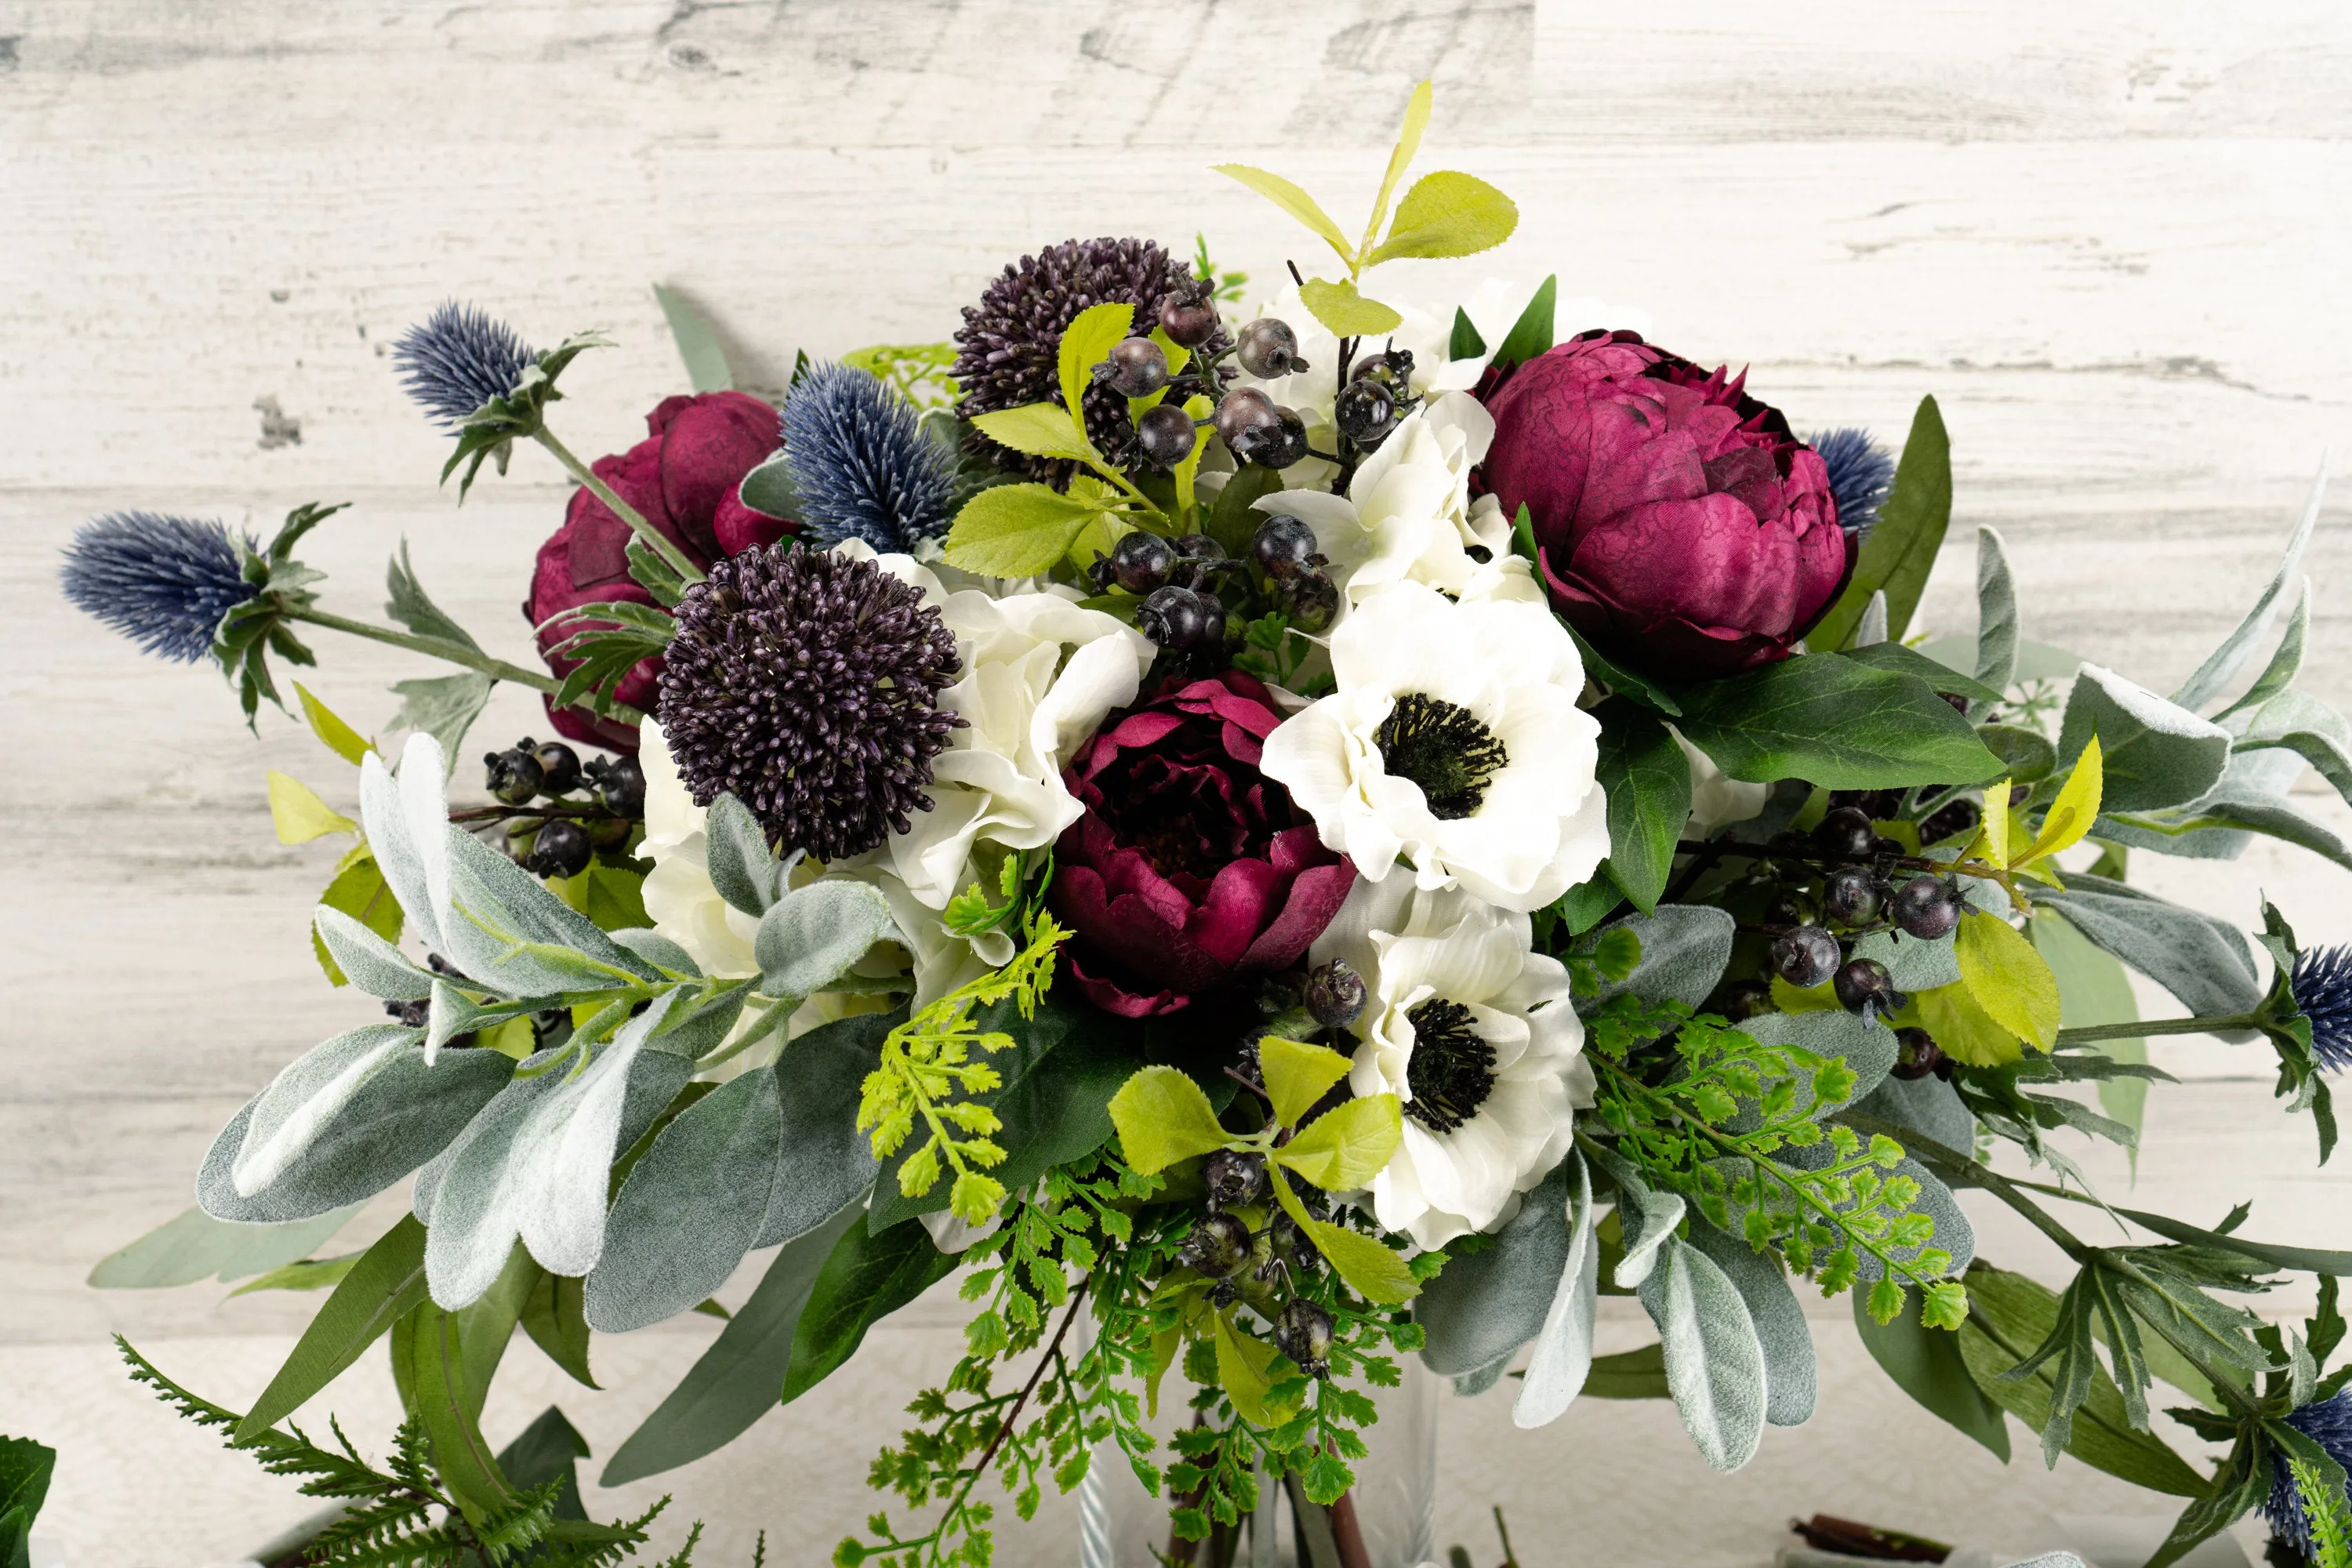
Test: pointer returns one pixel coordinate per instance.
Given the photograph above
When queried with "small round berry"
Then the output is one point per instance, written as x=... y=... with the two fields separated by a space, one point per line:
x=620 y=784
x=1950 y=821
x=1181 y=619
x=1135 y=367
x=559 y=767
x=1198 y=547
x=1188 y=322
x=1269 y=348
x=513 y=777
x=1233 y=1178
x=1366 y=412
x=1311 y=600
x=410 y=1015
x=561 y=849
x=1851 y=897
x=1278 y=446
x=1303 y=1333
x=1242 y=411
x=1805 y=956
x=1736 y=1000
x=1864 y=984
x=1915 y=1053
x=1336 y=994
x=1282 y=546
x=1165 y=434
x=1928 y=908
x=1789 y=910
x=1138 y=563
x=1218 y=1247
x=1847 y=833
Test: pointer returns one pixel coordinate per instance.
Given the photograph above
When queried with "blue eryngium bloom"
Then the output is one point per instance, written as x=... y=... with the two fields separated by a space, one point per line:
x=2329 y=1423
x=162 y=581
x=860 y=462
x=459 y=359
x=1861 y=470
x=2322 y=983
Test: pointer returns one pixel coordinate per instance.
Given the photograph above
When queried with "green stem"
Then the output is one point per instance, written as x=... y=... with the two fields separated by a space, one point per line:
x=656 y=541
x=1962 y=1170
x=2089 y=1033
x=455 y=653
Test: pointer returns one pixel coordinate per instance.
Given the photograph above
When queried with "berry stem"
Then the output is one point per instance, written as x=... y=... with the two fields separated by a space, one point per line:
x=656 y=541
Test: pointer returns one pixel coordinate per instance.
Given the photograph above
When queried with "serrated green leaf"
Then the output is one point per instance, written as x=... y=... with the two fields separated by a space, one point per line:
x=1448 y=214
x=1348 y=1145
x=297 y=813
x=1163 y=1118
x=1015 y=530
x=1087 y=342
x=1340 y=306
x=2006 y=978
x=338 y=737
x=1291 y=199
x=1040 y=429
x=1297 y=1075
x=1401 y=157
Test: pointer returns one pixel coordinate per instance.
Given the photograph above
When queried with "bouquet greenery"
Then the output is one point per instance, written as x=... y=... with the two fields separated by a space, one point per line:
x=1291 y=838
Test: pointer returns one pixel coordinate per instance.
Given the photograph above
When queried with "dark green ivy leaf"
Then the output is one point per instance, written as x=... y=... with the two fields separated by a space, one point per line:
x=1649 y=787
x=1833 y=722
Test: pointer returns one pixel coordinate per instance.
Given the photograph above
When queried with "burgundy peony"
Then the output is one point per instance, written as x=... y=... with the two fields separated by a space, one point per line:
x=1678 y=522
x=1190 y=869
x=683 y=477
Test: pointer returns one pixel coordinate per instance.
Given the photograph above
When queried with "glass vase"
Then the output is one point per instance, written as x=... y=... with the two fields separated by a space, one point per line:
x=1387 y=1519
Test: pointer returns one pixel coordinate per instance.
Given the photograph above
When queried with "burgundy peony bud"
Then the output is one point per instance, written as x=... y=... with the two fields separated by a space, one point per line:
x=684 y=478
x=1680 y=524
x=1190 y=869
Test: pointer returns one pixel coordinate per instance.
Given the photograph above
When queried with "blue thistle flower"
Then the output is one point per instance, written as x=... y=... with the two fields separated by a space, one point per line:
x=861 y=464
x=2321 y=983
x=162 y=581
x=2329 y=1423
x=458 y=360
x=1861 y=472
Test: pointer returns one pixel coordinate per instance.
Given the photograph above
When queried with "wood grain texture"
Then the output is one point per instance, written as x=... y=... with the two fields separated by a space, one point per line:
x=2107 y=237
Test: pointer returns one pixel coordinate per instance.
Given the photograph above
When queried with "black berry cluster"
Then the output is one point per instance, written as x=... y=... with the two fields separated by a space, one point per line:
x=590 y=805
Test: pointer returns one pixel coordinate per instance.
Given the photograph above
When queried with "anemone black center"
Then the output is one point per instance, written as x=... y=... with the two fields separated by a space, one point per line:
x=1453 y=1067
x=1443 y=748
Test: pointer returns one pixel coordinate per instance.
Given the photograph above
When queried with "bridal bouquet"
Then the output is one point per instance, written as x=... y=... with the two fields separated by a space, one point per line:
x=1288 y=838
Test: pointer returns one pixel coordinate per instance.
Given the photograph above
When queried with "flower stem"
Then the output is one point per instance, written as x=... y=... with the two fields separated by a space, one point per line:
x=455 y=653
x=2087 y=1033
x=656 y=541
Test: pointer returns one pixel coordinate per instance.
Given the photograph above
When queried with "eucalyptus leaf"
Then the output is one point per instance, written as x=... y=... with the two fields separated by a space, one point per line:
x=698 y=346
x=1685 y=948
x=810 y=936
x=1833 y=722
x=1563 y=1352
x=1927 y=1365
x=1484 y=1306
x=193 y=1245
x=2211 y=678
x=865 y=1279
x=1713 y=1358
x=383 y=1287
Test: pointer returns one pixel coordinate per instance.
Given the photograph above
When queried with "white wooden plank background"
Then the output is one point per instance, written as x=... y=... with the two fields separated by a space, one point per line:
x=2108 y=239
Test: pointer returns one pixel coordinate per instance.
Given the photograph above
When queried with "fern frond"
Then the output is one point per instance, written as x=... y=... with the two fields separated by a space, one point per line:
x=435 y=1548
x=369 y=1530
x=2327 y=1514
x=684 y=1558
x=525 y=1526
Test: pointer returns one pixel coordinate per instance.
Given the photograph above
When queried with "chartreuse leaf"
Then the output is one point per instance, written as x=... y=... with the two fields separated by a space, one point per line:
x=1296 y=1076
x=1087 y=342
x=1293 y=200
x=1963 y=1029
x=1243 y=1371
x=1370 y=1269
x=1163 y=1118
x=2071 y=814
x=2006 y=978
x=339 y=738
x=1895 y=558
x=297 y=813
x=1448 y=214
x=1015 y=530
x=360 y=891
x=1408 y=144
x=1340 y=306
x=1348 y=1145
x=1040 y=429
x=1992 y=838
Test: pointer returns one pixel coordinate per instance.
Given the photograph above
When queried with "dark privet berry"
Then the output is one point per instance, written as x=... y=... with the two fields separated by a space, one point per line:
x=1276 y=448
x=1181 y=619
x=1242 y=411
x=620 y=784
x=1950 y=821
x=1805 y=957
x=559 y=768
x=561 y=849
x=1165 y=434
x=1864 y=984
x=1138 y=563
x=1366 y=412
x=1850 y=896
x=1218 y=1247
x=1233 y=1178
x=1303 y=1333
x=1393 y=368
x=1915 y=1053
x=1188 y=322
x=1269 y=348
x=513 y=777
x=1198 y=547
x=410 y=1015
x=1847 y=833
x=1135 y=368
x=1311 y=600
x=1336 y=994
x=1788 y=910
x=1928 y=908
x=1734 y=1000
x=1283 y=545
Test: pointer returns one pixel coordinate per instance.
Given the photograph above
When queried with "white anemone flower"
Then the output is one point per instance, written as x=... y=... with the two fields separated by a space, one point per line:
x=1454 y=743
x=679 y=898
x=1718 y=800
x=1474 y=1032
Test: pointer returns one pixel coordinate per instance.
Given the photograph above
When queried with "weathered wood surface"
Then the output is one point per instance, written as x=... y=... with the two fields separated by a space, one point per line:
x=2108 y=240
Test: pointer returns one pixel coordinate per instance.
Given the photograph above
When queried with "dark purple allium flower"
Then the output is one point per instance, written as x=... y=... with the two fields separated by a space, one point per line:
x=2329 y=1423
x=1861 y=473
x=2321 y=983
x=860 y=463
x=162 y=581
x=459 y=359
x=1010 y=345
x=806 y=684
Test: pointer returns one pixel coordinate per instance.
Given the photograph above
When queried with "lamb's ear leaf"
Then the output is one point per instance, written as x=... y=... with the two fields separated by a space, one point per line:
x=1715 y=1362
x=741 y=865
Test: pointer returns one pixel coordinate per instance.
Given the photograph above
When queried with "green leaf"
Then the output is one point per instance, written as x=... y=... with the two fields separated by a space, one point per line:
x=1896 y=557
x=443 y=707
x=1346 y=1146
x=865 y=1279
x=1015 y=530
x=769 y=489
x=1466 y=342
x=1622 y=679
x=1836 y=722
x=360 y=891
x=1233 y=519
x=1531 y=334
x=1629 y=1374
x=1297 y=1075
x=2154 y=754
x=194 y=1246
x=445 y=1408
x=25 y=1467
x=698 y=345
x=2008 y=978
x=1291 y=199
x=549 y=1450
x=1649 y=789
x=1242 y=1371
x=1927 y=1365
x=1163 y=1118
x=2026 y=755
x=2094 y=989
x=338 y=737
x=555 y=1319
x=309 y=1274
x=412 y=608
x=382 y=1288
x=297 y=813
x=1087 y=342
x=1903 y=660
x=1345 y=311
x=1448 y=214
x=1408 y=144
x=1040 y=429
